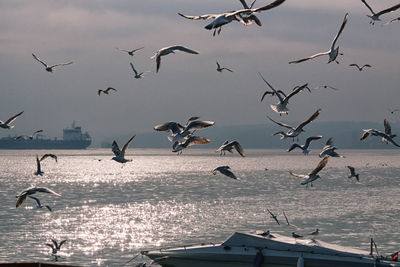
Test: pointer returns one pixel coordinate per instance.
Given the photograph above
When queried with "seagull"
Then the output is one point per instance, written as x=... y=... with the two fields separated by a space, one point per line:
x=391 y=21
x=228 y=146
x=360 y=68
x=375 y=16
x=273 y=216
x=130 y=52
x=120 y=154
x=55 y=246
x=315 y=233
x=219 y=69
x=106 y=91
x=266 y=234
x=28 y=136
x=392 y=111
x=6 y=124
x=39 y=205
x=244 y=16
x=139 y=75
x=325 y=86
x=388 y=131
x=283 y=101
x=30 y=191
x=295 y=131
x=332 y=52
x=192 y=140
x=305 y=146
x=48 y=155
x=50 y=68
x=168 y=50
x=313 y=175
x=353 y=173
x=225 y=170
x=38 y=170
x=296 y=235
x=375 y=132
x=329 y=150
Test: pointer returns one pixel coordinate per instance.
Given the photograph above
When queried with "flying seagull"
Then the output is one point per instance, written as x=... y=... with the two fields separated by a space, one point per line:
x=120 y=154
x=50 y=68
x=225 y=170
x=375 y=16
x=325 y=86
x=6 y=124
x=329 y=150
x=38 y=204
x=130 y=52
x=219 y=69
x=107 y=91
x=168 y=50
x=55 y=246
x=38 y=169
x=306 y=145
x=244 y=16
x=332 y=52
x=295 y=131
x=312 y=175
x=283 y=99
x=139 y=75
x=192 y=140
x=273 y=216
x=353 y=173
x=30 y=191
x=28 y=136
x=48 y=155
x=360 y=68
x=374 y=132
x=229 y=146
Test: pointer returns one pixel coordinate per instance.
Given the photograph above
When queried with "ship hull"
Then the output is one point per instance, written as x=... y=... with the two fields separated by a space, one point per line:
x=10 y=143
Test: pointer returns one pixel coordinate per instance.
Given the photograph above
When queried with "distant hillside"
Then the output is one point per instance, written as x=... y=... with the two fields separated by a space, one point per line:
x=345 y=134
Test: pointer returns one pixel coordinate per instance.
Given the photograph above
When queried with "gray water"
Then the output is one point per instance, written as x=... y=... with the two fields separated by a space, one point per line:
x=109 y=213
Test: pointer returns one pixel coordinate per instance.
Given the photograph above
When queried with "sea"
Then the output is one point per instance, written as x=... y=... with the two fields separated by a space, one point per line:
x=109 y=212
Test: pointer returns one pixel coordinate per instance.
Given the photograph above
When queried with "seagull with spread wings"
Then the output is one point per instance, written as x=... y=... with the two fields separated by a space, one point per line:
x=50 y=68
x=374 y=132
x=229 y=146
x=312 y=175
x=225 y=170
x=120 y=154
x=375 y=16
x=28 y=136
x=6 y=124
x=306 y=145
x=353 y=173
x=332 y=52
x=130 y=52
x=168 y=50
x=106 y=91
x=360 y=68
x=139 y=75
x=191 y=140
x=219 y=69
x=30 y=191
x=329 y=150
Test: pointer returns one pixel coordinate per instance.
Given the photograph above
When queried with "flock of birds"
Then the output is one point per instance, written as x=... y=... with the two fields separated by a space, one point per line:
x=183 y=136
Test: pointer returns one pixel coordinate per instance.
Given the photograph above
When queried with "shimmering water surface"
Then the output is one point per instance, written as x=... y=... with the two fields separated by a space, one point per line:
x=109 y=213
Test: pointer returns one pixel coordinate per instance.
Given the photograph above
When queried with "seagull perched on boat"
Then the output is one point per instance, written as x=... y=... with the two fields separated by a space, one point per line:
x=362 y=67
x=55 y=246
x=329 y=150
x=38 y=169
x=192 y=140
x=130 y=52
x=375 y=16
x=38 y=204
x=225 y=170
x=296 y=235
x=139 y=75
x=168 y=50
x=107 y=91
x=332 y=52
x=229 y=146
x=312 y=175
x=368 y=132
x=353 y=173
x=244 y=16
x=295 y=131
x=30 y=191
x=273 y=216
x=219 y=69
x=6 y=124
x=306 y=145
x=50 y=68
x=48 y=155
x=315 y=233
x=120 y=154
x=28 y=136
x=283 y=99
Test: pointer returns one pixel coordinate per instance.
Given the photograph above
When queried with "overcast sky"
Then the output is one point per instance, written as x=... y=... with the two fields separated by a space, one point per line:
x=87 y=32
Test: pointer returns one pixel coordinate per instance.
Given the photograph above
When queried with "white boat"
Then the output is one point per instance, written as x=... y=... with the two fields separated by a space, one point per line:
x=243 y=249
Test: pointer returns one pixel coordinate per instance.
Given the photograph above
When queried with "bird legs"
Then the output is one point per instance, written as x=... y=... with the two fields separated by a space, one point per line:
x=217 y=30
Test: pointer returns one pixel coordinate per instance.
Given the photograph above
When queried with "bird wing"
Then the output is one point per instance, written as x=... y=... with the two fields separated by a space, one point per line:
x=196 y=140
x=172 y=126
x=313 y=117
x=136 y=49
x=295 y=91
x=346 y=17
x=355 y=65
x=111 y=88
x=365 y=135
x=205 y=16
x=308 y=58
x=133 y=68
x=310 y=139
x=388 y=128
x=192 y=119
x=158 y=62
x=390 y=9
x=227 y=172
x=184 y=49
x=61 y=64
x=351 y=170
x=99 y=91
x=38 y=59
x=227 y=69
x=196 y=125
x=370 y=9
x=127 y=144
x=218 y=66
x=46 y=190
x=286 y=218
x=38 y=164
x=299 y=175
x=320 y=166
x=267 y=93
x=13 y=118
x=62 y=242
x=263 y=8
x=123 y=50
x=48 y=155
x=293 y=146
x=21 y=136
x=270 y=86
x=238 y=148
x=20 y=200
x=115 y=149
x=36 y=199
x=281 y=124
x=38 y=131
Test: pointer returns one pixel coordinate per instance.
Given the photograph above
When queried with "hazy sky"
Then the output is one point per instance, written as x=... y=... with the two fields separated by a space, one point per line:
x=87 y=32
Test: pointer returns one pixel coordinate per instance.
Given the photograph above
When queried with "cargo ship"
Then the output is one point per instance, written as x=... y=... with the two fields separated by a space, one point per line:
x=73 y=138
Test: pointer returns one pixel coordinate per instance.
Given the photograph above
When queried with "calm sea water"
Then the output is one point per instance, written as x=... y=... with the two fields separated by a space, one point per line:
x=109 y=213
